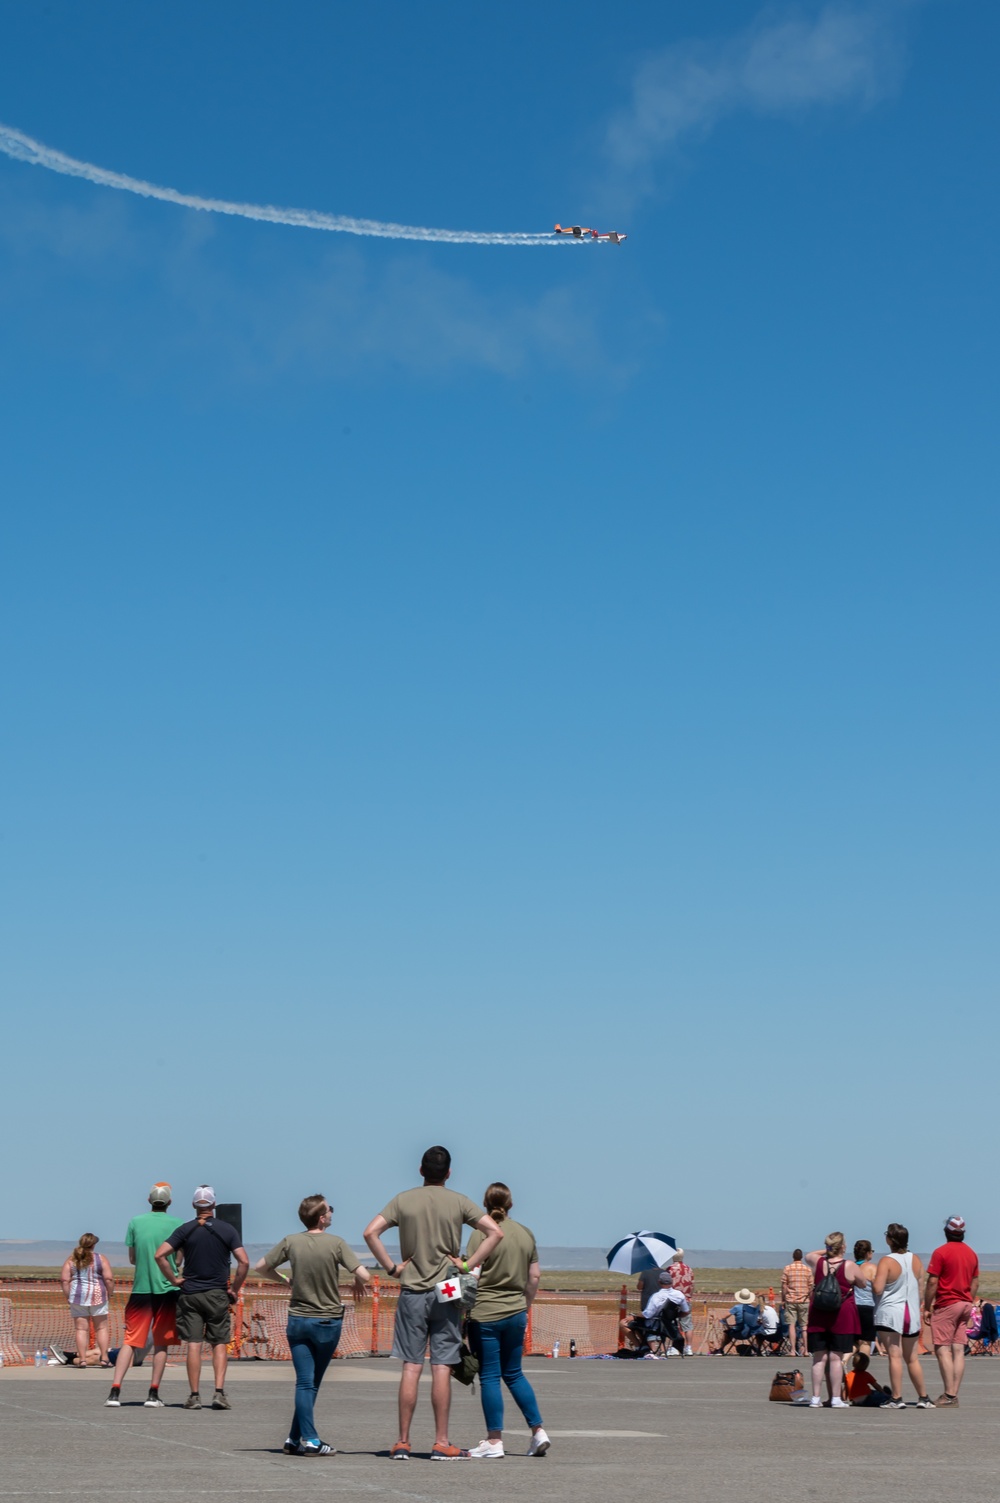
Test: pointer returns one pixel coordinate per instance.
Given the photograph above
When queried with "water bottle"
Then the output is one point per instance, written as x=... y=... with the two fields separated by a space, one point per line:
x=572 y=1348
x=555 y=1348
x=38 y=1356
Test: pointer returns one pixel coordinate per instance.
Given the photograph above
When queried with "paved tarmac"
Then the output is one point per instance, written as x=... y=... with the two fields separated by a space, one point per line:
x=696 y=1429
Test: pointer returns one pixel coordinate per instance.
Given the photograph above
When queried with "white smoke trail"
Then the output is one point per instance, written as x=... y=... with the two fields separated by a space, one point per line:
x=14 y=143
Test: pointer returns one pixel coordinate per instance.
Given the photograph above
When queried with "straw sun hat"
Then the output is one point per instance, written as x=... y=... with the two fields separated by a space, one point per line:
x=745 y=1297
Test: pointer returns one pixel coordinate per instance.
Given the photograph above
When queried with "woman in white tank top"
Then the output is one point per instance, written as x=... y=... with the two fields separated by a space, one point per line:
x=896 y=1287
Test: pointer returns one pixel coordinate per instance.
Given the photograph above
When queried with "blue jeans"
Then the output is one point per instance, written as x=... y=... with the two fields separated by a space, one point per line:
x=498 y=1344
x=313 y=1343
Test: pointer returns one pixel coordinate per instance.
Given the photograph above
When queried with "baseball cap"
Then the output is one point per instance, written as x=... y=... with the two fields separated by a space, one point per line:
x=161 y=1194
x=203 y=1196
x=955 y=1224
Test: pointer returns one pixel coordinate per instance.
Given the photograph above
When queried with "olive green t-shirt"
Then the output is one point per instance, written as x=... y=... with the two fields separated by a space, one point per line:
x=315 y=1258
x=430 y=1220
x=505 y=1272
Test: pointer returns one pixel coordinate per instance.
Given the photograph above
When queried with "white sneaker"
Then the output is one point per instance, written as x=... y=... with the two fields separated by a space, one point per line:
x=487 y=1450
x=688 y=1352
x=539 y=1444
x=838 y=1404
x=815 y=1402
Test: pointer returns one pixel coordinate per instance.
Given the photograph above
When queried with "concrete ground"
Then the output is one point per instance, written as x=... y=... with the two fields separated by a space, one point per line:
x=695 y=1429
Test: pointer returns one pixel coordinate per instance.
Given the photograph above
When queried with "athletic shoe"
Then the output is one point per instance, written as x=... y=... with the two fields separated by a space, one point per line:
x=815 y=1402
x=113 y=1401
x=292 y=1448
x=487 y=1450
x=539 y=1444
x=219 y=1400
x=688 y=1352
x=154 y=1402
x=925 y=1401
x=321 y=1450
x=899 y=1403
x=193 y=1401
x=59 y=1356
x=838 y=1404
x=946 y=1401
x=448 y=1453
x=400 y=1451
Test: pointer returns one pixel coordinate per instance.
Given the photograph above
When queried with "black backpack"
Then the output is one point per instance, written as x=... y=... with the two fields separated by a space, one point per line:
x=827 y=1295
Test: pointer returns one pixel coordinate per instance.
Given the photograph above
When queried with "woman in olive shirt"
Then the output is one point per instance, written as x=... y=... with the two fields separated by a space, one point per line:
x=507 y=1286
x=315 y=1312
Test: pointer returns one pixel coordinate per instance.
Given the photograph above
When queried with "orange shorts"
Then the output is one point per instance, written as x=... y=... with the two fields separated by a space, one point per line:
x=948 y=1323
x=156 y=1312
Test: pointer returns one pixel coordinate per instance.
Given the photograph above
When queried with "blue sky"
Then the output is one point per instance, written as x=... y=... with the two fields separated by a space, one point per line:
x=543 y=702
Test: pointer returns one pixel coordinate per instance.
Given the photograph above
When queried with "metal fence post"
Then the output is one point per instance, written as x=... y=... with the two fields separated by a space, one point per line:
x=375 y=1315
x=238 y=1326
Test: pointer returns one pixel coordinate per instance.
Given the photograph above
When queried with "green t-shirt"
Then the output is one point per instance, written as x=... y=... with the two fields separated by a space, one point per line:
x=505 y=1272
x=145 y=1233
x=315 y=1258
x=430 y=1220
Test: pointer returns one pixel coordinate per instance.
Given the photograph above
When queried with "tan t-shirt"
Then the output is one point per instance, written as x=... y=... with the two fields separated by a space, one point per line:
x=316 y=1258
x=505 y=1272
x=430 y=1221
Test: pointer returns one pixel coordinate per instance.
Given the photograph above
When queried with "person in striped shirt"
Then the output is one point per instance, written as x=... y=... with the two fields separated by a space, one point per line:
x=796 y=1291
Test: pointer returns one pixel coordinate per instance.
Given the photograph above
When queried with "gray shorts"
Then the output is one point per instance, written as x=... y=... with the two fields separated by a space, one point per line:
x=421 y=1317
x=685 y=1323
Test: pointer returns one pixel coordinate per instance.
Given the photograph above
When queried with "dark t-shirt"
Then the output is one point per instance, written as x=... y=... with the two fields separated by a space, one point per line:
x=207 y=1253
x=649 y=1284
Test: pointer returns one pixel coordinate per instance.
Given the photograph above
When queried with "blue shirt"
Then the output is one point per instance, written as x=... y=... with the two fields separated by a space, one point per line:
x=746 y=1316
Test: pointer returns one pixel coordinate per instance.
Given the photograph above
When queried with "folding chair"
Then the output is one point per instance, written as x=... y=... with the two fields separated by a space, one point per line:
x=664 y=1332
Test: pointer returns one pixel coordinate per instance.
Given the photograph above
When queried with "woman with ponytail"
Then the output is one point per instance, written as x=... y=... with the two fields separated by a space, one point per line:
x=499 y=1318
x=87 y=1281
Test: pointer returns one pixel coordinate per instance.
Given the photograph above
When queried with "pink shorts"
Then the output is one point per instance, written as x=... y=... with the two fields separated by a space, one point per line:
x=948 y=1323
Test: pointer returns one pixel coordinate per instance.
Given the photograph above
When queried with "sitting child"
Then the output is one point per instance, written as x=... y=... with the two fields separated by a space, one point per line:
x=860 y=1388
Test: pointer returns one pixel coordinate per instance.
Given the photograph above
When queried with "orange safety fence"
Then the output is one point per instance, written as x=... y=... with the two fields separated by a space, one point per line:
x=34 y=1313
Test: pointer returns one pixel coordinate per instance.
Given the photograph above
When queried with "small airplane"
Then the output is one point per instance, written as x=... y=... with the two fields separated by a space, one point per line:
x=579 y=230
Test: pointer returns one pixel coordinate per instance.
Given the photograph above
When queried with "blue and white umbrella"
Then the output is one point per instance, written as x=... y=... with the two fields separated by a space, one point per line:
x=641 y=1250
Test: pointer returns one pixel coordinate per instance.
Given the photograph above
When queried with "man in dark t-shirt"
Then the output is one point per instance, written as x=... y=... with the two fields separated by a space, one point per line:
x=649 y=1284
x=205 y=1297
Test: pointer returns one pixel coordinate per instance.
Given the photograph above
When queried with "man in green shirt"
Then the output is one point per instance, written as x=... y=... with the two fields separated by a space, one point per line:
x=153 y=1302
x=430 y=1220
